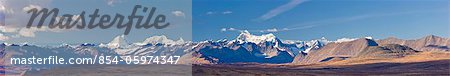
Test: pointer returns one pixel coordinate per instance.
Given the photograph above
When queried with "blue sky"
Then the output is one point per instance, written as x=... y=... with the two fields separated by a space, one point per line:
x=200 y=20
x=313 y=19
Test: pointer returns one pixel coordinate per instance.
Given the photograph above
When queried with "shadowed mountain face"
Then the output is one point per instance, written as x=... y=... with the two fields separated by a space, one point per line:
x=299 y=57
x=248 y=48
x=340 y=50
x=386 y=51
x=428 y=43
x=235 y=52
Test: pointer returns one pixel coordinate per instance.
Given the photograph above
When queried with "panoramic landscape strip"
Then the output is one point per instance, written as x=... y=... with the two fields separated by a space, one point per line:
x=224 y=38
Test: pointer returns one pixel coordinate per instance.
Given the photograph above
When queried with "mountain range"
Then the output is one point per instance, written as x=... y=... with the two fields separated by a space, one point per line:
x=245 y=48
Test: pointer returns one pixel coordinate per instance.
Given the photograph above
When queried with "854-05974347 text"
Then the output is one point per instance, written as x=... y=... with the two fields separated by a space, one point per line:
x=98 y=60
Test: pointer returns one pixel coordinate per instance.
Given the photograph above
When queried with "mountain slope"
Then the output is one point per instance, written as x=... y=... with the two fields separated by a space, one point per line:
x=386 y=51
x=428 y=43
x=339 y=50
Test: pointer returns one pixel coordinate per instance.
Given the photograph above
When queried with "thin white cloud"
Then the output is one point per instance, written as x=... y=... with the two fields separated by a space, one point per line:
x=31 y=6
x=25 y=32
x=230 y=29
x=30 y=32
x=218 y=12
x=227 y=12
x=13 y=12
x=223 y=29
x=333 y=21
x=8 y=29
x=210 y=13
x=111 y=2
x=5 y=10
x=272 y=30
x=3 y=37
x=178 y=13
x=281 y=9
x=2 y=8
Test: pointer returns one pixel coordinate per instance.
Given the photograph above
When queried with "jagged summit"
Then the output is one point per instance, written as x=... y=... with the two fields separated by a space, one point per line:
x=118 y=42
x=161 y=39
x=369 y=37
x=315 y=44
x=247 y=47
x=245 y=36
x=431 y=36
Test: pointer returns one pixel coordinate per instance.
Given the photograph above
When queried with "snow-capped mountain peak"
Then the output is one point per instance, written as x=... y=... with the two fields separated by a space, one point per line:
x=117 y=42
x=315 y=44
x=245 y=36
x=307 y=46
x=181 y=40
x=369 y=37
x=161 y=39
x=345 y=40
